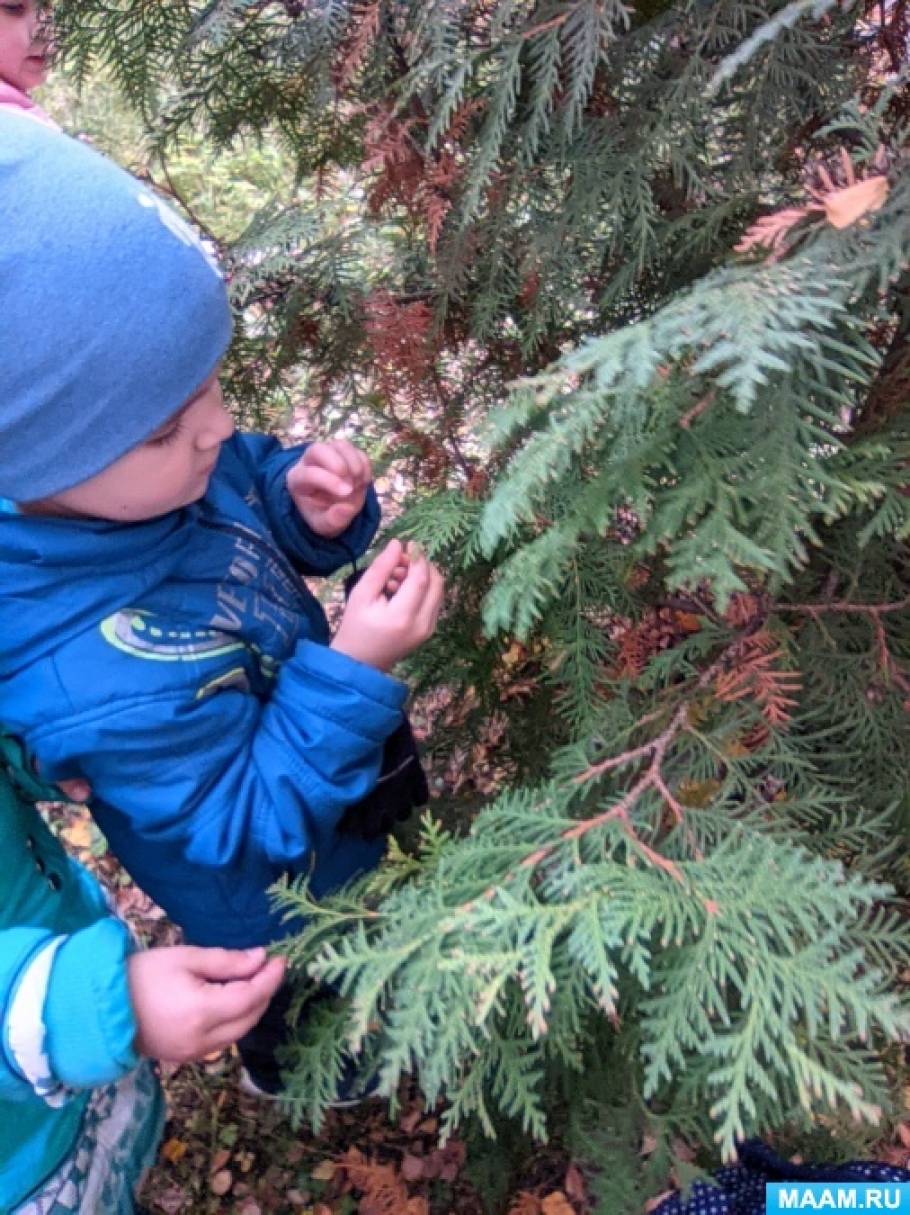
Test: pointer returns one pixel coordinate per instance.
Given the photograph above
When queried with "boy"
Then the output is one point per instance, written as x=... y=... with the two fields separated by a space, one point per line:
x=156 y=638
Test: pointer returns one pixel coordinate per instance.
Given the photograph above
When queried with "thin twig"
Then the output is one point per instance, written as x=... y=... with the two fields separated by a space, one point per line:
x=889 y=668
x=871 y=609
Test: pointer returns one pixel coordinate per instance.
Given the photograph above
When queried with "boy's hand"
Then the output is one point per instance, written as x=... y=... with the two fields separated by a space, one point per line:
x=392 y=610
x=329 y=486
x=190 y=1002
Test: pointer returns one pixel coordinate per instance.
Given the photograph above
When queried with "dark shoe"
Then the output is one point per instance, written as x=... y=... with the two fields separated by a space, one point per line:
x=351 y=1091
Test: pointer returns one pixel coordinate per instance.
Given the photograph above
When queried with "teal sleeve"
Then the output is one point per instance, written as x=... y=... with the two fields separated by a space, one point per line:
x=90 y=978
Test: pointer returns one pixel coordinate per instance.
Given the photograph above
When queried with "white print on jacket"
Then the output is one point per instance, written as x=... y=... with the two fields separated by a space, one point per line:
x=25 y=1030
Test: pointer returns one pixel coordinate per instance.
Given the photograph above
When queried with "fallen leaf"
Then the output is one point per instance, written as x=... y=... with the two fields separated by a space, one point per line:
x=446 y=1162
x=173 y=1151
x=412 y=1167
x=525 y=1204
x=556 y=1204
x=683 y=1151
x=171 y=1202
x=429 y=1126
x=575 y=1184
x=653 y=1203
x=221 y=1183
x=219 y=1160
x=408 y=1122
x=648 y=1144
x=324 y=1171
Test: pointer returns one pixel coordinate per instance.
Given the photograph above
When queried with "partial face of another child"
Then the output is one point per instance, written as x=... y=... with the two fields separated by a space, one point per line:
x=23 y=46
x=172 y=468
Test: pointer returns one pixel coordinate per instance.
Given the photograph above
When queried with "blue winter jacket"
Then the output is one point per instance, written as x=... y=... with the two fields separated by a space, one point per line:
x=182 y=667
x=66 y=1021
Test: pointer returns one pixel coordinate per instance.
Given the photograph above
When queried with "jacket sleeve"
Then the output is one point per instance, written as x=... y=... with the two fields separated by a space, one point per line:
x=66 y=1016
x=227 y=774
x=312 y=554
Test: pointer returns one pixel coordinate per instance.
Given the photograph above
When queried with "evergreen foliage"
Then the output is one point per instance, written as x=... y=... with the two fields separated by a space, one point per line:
x=625 y=289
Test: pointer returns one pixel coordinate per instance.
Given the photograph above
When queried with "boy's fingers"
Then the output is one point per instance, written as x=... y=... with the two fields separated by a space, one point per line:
x=76 y=790
x=357 y=464
x=225 y=1033
x=377 y=574
x=244 y=998
x=224 y=965
x=316 y=480
x=325 y=455
x=409 y=596
x=342 y=458
x=432 y=604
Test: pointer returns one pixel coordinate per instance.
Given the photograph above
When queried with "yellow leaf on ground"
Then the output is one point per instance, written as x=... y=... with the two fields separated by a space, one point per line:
x=324 y=1171
x=173 y=1150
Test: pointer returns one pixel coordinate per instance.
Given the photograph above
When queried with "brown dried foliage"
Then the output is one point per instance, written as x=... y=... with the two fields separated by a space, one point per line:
x=836 y=192
x=361 y=36
x=659 y=629
x=758 y=675
x=383 y=1190
x=400 y=337
x=422 y=183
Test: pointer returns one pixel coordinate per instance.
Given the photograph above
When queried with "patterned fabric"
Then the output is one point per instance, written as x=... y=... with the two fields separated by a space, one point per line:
x=740 y=1190
x=117 y=1143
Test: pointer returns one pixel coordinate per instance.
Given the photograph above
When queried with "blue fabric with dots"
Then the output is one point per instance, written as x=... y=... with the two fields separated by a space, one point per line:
x=740 y=1190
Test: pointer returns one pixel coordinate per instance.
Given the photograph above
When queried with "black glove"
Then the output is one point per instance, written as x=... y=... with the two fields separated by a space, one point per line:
x=401 y=788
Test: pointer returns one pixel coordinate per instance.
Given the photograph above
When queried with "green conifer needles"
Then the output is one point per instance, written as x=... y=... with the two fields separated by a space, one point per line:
x=751 y=968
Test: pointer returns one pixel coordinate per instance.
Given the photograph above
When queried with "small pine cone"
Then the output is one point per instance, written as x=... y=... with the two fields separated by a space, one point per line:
x=626 y=525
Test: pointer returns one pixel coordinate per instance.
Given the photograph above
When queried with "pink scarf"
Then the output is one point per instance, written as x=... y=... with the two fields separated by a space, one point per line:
x=11 y=98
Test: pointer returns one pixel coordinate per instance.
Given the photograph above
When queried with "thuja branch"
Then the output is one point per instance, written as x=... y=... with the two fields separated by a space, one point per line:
x=651 y=779
x=875 y=612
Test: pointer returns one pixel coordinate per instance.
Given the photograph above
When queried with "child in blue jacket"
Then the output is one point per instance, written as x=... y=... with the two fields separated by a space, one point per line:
x=156 y=636
x=80 y=1110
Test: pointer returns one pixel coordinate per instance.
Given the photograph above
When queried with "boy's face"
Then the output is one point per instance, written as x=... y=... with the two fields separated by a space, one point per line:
x=172 y=468
x=23 y=47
